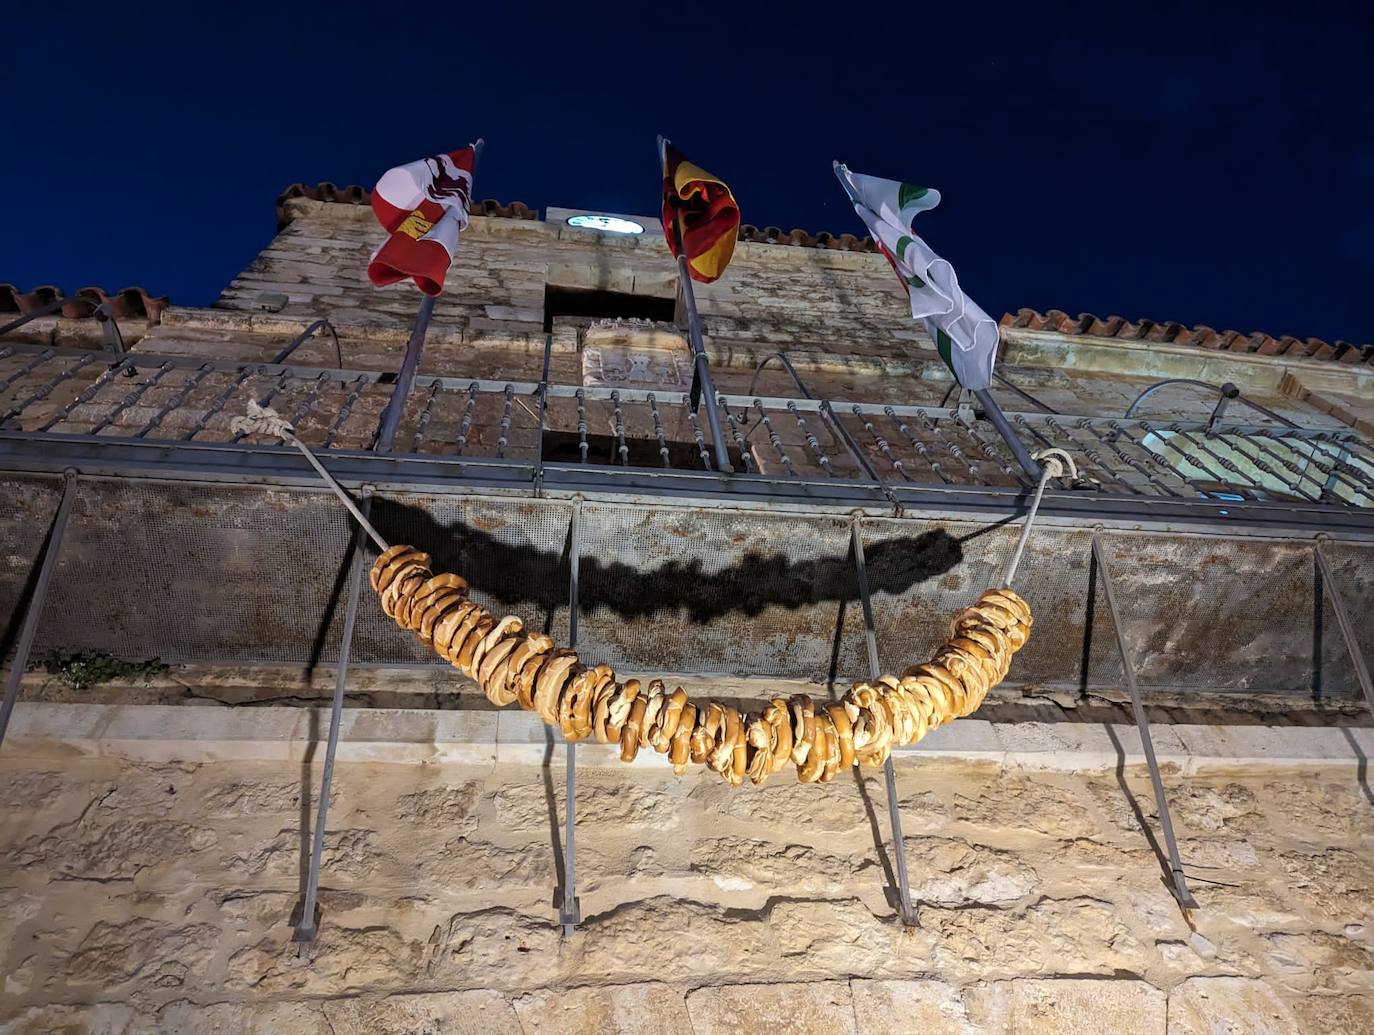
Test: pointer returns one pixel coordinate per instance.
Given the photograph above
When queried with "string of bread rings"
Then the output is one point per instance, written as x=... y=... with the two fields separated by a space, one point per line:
x=819 y=738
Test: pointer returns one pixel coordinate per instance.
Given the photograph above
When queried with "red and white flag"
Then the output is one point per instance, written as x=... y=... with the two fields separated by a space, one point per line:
x=423 y=206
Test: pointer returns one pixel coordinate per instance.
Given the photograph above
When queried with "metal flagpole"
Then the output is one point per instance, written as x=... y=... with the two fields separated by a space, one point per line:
x=405 y=378
x=701 y=363
x=999 y=421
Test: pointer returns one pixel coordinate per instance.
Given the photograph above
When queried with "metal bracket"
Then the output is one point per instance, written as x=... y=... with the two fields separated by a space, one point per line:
x=1179 y=886
x=35 y=609
x=964 y=405
x=570 y=908
x=309 y=925
x=1352 y=644
x=904 y=907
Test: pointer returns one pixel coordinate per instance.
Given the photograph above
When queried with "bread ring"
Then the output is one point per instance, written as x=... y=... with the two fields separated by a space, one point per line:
x=652 y=707
x=527 y=678
x=424 y=616
x=758 y=737
x=549 y=688
x=780 y=722
x=485 y=624
x=810 y=769
x=618 y=712
x=447 y=626
x=491 y=674
x=845 y=732
x=704 y=736
x=508 y=626
x=383 y=560
x=803 y=727
x=668 y=719
x=401 y=561
x=731 y=733
x=680 y=748
x=629 y=736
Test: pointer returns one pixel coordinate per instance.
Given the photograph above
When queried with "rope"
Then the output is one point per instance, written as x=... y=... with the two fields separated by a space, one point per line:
x=263 y=420
x=1052 y=466
x=820 y=738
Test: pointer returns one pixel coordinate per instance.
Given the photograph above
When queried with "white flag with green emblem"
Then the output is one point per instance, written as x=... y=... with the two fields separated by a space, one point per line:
x=964 y=335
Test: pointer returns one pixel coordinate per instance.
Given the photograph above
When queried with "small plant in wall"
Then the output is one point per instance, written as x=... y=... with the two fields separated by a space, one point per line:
x=86 y=668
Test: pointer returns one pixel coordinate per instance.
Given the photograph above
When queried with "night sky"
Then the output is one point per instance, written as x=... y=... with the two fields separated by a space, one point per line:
x=1208 y=163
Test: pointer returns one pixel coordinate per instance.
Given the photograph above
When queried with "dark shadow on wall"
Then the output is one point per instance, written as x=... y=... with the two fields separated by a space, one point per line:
x=523 y=575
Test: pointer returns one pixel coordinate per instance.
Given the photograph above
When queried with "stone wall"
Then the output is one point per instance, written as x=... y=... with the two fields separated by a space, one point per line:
x=142 y=892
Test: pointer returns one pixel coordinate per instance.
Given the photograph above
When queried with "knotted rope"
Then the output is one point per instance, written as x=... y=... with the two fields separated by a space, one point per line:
x=263 y=420
x=820 y=739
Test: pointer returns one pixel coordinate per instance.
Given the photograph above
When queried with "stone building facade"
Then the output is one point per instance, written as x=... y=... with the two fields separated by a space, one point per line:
x=157 y=834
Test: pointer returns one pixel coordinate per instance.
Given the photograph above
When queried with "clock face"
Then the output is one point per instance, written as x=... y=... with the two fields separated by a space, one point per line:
x=607 y=224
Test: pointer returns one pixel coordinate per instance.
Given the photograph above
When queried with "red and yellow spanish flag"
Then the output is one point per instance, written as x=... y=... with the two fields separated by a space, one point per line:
x=700 y=217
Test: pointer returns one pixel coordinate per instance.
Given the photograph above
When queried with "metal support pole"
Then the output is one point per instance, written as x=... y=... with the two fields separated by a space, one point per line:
x=1352 y=645
x=999 y=421
x=405 y=380
x=543 y=414
x=701 y=363
x=894 y=814
x=1180 y=883
x=308 y=927
x=300 y=339
x=570 y=909
x=40 y=591
x=701 y=367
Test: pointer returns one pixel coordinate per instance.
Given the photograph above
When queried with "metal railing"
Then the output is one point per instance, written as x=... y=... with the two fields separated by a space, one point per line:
x=553 y=436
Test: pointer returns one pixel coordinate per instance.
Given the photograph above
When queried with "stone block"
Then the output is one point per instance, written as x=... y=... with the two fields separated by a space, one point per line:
x=1229 y=1006
x=650 y=1009
x=452 y=1013
x=781 y=1009
x=1070 y=1006
x=929 y=1007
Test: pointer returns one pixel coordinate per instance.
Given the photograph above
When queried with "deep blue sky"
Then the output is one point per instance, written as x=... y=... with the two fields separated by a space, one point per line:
x=1208 y=163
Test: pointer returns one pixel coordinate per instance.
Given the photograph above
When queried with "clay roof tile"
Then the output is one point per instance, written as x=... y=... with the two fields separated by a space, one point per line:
x=1202 y=336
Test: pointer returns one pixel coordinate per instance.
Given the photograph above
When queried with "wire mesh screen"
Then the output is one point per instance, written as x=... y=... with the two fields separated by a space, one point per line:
x=921 y=574
x=243 y=574
x=1352 y=568
x=1228 y=614
x=716 y=592
x=27 y=509
x=191 y=572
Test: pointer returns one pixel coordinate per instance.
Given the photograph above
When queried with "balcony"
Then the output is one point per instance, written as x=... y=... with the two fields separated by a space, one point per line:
x=197 y=544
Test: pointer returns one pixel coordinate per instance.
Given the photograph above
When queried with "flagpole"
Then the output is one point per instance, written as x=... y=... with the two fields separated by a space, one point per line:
x=1003 y=426
x=410 y=363
x=701 y=363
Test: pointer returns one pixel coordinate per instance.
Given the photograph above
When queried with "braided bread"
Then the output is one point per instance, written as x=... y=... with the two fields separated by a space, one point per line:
x=819 y=740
